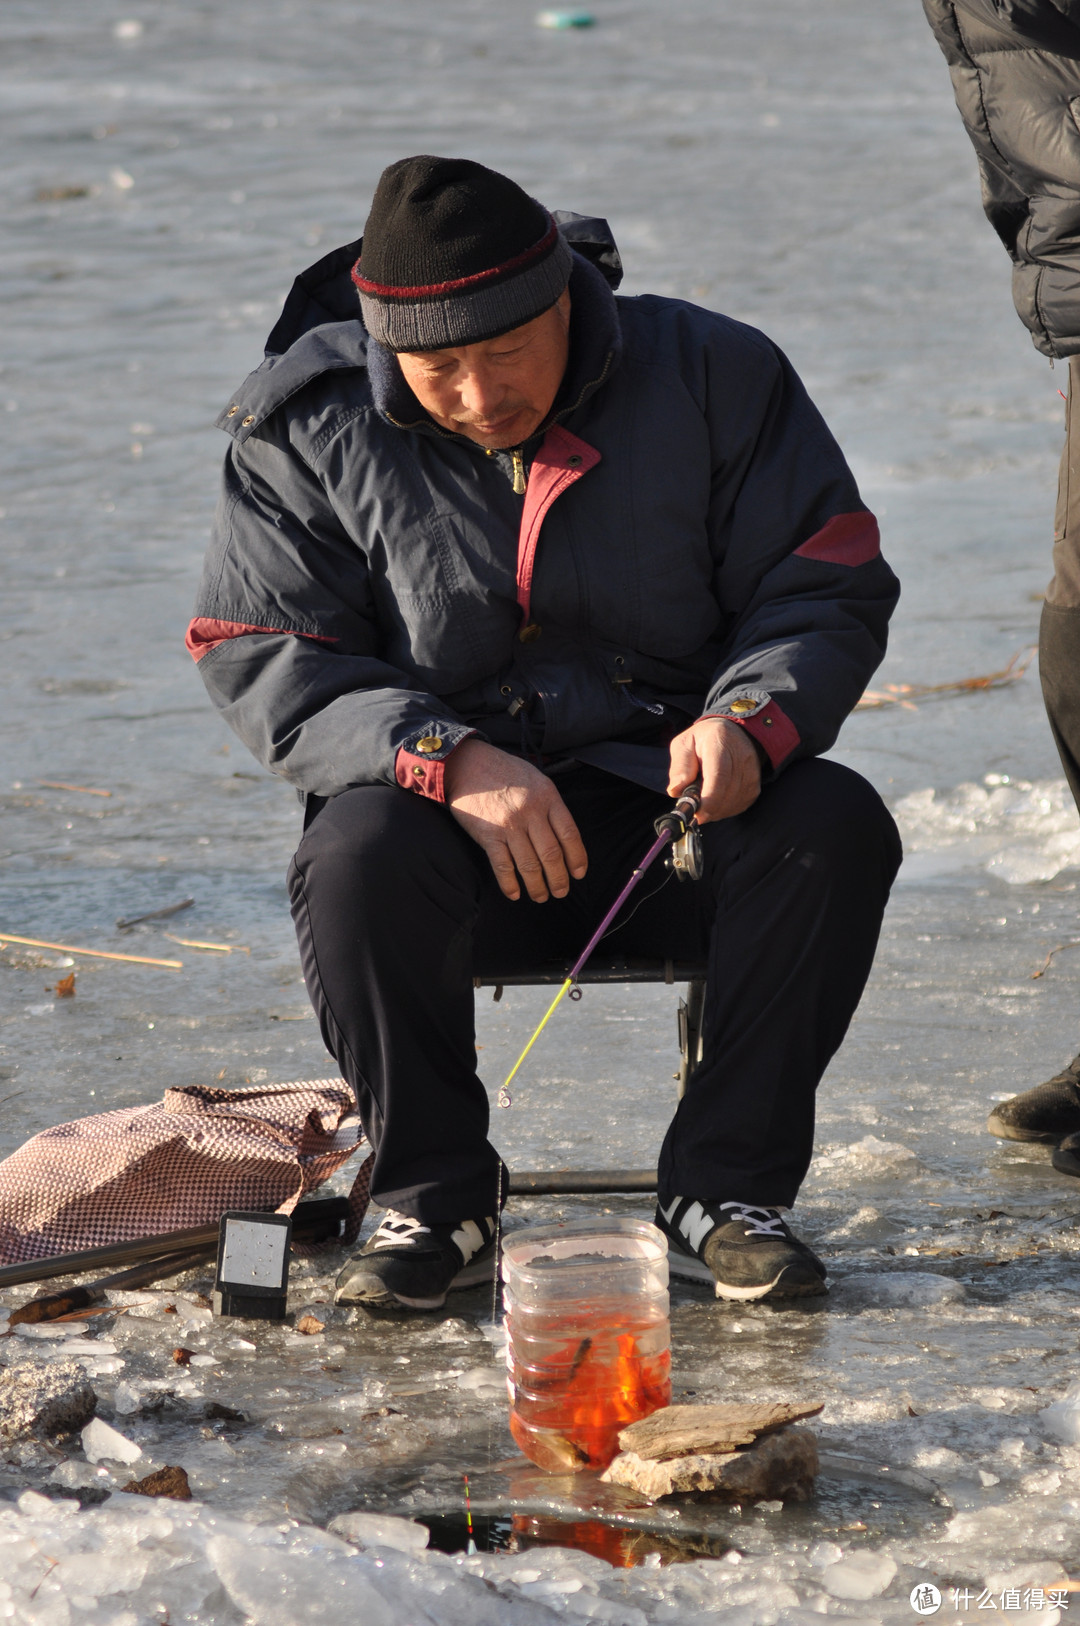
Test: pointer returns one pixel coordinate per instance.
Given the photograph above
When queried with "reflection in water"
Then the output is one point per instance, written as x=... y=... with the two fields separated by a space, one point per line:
x=621 y=1545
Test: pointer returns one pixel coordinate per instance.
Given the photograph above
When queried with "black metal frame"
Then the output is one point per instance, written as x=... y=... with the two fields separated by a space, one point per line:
x=690 y=1016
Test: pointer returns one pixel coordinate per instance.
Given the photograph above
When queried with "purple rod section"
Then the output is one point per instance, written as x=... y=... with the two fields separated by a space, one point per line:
x=654 y=851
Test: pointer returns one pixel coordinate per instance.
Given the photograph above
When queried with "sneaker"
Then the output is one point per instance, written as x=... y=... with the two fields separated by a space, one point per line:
x=407 y=1262
x=746 y=1252
x=1047 y=1113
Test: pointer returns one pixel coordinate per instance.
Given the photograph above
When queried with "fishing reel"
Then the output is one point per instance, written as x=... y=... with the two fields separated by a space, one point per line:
x=687 y=856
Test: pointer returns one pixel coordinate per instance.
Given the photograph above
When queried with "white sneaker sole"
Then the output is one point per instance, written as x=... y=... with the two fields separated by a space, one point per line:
x=477 y=1270
x=692 y=1269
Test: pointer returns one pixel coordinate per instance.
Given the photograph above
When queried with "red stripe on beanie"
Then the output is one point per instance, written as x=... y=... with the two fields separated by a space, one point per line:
x=381 y=290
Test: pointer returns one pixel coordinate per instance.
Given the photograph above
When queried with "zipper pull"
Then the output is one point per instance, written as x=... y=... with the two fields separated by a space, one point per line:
x=519 y=472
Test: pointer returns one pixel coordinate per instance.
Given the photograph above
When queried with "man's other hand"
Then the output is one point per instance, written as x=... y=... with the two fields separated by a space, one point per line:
x=515 y=813
x=724 y=757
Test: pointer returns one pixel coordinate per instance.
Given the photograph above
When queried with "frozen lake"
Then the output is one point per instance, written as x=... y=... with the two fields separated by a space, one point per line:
x=802 y=167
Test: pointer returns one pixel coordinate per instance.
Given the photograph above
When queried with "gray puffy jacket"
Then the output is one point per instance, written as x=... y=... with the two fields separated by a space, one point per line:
x=690 y=540
x=1015 y=67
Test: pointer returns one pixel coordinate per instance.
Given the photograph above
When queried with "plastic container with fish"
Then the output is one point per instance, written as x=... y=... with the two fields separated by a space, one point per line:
x=588 y=1337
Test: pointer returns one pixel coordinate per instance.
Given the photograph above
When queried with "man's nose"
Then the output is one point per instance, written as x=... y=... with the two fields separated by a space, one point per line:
x=481 y=392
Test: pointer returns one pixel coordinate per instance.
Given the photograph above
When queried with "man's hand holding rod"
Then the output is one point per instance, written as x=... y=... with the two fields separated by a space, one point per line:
x=724 y=758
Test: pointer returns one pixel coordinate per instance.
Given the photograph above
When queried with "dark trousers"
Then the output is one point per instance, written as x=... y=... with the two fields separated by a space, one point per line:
x=396 y=908
x=1059 y=630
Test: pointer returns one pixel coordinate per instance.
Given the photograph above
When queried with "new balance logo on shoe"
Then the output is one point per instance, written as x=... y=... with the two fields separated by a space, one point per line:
x=695 y=1224
x=745 y=1250
x=469 y=1239
x=409 y=1264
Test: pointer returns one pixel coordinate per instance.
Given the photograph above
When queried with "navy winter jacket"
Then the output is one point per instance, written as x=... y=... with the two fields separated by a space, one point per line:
x=690 y=541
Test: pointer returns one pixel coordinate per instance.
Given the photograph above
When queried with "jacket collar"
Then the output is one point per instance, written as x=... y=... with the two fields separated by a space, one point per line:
x=595 y=347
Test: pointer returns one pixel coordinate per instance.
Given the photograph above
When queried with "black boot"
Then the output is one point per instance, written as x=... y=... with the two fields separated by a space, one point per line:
x=1046 y=1114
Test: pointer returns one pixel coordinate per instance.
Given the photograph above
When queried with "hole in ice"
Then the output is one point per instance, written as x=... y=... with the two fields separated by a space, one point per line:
x=620 y=1544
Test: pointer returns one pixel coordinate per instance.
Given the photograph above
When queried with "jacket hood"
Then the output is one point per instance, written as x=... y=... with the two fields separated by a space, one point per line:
x=333 y=346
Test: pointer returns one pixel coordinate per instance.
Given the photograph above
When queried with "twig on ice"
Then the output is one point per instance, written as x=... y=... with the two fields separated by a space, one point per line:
x=1074 y=943
x=905 y=694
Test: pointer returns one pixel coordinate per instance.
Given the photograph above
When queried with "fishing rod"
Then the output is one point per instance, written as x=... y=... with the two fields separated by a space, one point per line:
x=675 y=826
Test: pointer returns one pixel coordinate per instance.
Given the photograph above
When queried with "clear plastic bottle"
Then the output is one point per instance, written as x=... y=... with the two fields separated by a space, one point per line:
x=588 y=1337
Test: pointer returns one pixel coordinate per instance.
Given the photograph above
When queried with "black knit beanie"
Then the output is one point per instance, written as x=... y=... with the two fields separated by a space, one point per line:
x=454 y=253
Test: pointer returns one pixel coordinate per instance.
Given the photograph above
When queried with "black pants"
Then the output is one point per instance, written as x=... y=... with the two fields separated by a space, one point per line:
x=395 y=906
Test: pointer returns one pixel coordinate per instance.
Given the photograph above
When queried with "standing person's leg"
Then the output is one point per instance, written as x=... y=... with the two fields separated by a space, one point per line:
x=1051 y=1111
x=1059 y=630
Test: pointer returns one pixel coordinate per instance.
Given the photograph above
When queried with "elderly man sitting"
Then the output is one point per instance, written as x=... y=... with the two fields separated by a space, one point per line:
x=502 y=563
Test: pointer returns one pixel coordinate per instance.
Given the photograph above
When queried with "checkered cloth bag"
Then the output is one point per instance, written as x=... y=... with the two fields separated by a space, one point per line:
x=143 y=1171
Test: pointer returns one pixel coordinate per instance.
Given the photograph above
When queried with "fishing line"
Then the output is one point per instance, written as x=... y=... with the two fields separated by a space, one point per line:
x=669 y=827
x=628 y=917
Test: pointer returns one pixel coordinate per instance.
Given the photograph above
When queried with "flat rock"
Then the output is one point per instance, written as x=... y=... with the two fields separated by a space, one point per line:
x=679 y=1431
x=44 y=1400
x=170 y=1481
x=779 y=1467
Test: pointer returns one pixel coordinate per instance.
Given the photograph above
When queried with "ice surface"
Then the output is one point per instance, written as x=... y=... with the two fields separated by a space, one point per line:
x=1016 y=830
x=804 y=170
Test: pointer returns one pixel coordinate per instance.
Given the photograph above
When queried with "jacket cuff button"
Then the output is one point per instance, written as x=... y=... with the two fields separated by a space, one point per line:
x=429 y=743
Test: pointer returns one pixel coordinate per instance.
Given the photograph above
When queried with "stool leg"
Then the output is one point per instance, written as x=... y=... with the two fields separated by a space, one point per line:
x=691 y=1011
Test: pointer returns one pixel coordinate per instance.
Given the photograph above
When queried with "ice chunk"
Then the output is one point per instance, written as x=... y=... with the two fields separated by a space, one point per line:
x=33 y=1503
x=101 y=1442
x=293 y=1589
x=85 y=1346
x=859 y=1576
x=1046 y=1574
x=126 y=1399
x=1062 y=1419
x=73 y=1475
x=98 y=1574
x=875 y=1154
x=380 y=1530
x=453 y=1331
x=49 y=1329
x=824 y=1553
x=484 y=1381
x=611 y=1612
x=908 y=1289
